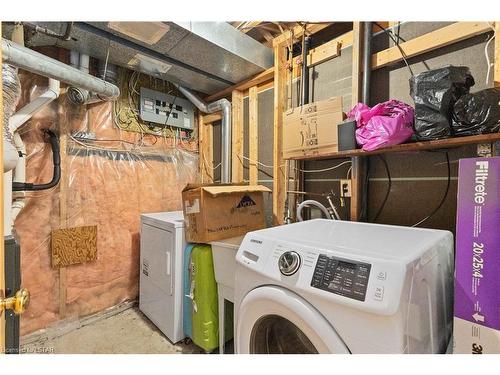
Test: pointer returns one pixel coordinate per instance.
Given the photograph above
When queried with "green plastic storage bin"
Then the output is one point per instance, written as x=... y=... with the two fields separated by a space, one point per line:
x=205 y=314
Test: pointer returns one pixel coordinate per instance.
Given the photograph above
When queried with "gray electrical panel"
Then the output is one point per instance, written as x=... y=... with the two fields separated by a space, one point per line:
x=166 y=110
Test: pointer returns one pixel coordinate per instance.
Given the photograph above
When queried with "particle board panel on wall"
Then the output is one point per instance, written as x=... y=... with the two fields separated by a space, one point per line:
x=74 y=245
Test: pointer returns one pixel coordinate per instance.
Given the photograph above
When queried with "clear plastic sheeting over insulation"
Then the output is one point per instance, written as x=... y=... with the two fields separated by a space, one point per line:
x=108 y=182
x=11 y=93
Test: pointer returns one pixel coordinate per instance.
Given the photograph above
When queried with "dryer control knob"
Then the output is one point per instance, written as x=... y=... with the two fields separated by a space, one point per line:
x=289 y=263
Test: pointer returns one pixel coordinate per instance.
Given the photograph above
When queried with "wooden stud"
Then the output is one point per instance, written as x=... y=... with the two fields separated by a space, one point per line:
x=496 y=73
x=279 y=182
x=357 y=164
x=253 y=134
x=2 y=256
x=212 y=117
x=205 y=144
x=63 y=211
x=237 y=136
x=443 y=37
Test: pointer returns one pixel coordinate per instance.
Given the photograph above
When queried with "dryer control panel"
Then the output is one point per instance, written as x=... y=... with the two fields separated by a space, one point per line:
x=341 y=276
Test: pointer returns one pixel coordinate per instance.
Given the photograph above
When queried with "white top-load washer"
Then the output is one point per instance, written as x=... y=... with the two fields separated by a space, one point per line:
x=324 y=286
x=160 y=280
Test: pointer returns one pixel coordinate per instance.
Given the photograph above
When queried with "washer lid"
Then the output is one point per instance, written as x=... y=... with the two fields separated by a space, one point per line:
x=274 y=320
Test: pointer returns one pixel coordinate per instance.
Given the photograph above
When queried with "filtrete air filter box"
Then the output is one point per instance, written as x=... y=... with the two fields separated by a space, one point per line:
x=217 y=211
x=477 y=260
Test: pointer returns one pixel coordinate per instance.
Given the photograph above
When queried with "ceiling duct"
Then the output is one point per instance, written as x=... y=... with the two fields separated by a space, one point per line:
x=203 y=56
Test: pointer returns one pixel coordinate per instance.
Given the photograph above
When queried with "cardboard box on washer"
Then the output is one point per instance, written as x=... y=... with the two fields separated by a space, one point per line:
x=312 y=128
x=217 y=211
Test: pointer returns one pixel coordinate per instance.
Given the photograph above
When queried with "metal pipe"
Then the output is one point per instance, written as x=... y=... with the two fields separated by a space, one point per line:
x=304 y=97
x=37 y=63
x=223 y=105
x=367 y=62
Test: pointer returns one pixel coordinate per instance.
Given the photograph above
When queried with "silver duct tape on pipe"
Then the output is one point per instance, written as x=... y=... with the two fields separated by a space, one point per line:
x=37 y=63
x=223 y=105
x=11 y=94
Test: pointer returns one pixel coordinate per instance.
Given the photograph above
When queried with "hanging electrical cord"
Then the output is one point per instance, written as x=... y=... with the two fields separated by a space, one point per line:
x=396 y=42
x=489 y=65
x=443 y=199
x=389 y=185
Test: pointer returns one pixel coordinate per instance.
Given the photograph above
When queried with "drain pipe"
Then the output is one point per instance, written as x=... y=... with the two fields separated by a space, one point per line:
x=367 y=62
x=223 y=105
x=365 y=97
x=15 y=122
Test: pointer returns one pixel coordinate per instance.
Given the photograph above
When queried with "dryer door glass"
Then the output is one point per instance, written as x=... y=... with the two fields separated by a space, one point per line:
x=273 y=334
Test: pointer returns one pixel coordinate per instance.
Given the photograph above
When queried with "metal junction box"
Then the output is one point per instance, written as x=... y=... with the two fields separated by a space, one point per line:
x=166 y=110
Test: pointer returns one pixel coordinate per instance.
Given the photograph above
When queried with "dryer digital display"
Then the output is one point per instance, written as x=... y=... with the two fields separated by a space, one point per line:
x=340 y=276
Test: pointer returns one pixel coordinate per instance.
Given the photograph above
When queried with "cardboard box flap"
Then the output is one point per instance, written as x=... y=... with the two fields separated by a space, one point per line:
x=216 y=190
x=193 y=186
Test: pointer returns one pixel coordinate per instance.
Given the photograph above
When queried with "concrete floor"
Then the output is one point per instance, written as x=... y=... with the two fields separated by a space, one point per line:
x=128 y=332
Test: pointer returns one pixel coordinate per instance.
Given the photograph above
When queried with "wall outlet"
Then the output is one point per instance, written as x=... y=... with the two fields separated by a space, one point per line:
x=345 y=188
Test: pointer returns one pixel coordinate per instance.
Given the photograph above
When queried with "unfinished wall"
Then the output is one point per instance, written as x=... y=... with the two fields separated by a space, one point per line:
x=418 y=179
x=107 y=183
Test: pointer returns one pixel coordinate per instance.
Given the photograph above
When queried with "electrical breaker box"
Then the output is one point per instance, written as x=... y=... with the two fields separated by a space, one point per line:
x=166 y=110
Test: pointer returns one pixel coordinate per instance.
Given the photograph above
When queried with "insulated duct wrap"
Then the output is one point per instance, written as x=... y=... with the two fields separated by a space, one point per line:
x=107 y=182
x=11 y=94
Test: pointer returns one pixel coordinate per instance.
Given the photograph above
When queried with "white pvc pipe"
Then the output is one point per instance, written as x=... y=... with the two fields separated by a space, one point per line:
x=30 y=109
x=7 y=201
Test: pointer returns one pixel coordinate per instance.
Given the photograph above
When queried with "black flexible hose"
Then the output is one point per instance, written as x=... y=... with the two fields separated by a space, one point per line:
x=56 y=176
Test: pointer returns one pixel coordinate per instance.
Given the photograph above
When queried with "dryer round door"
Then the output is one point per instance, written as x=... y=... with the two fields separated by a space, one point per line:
x=273 y=320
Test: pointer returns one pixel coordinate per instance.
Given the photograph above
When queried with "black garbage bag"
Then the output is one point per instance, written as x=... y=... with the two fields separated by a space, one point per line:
x=477 y=113
x=435 y=93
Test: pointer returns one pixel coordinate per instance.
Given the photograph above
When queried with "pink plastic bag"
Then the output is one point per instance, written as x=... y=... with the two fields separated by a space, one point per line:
x=386 y=124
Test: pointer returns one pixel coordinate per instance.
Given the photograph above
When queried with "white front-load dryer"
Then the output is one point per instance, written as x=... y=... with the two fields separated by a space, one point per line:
x=324 y=286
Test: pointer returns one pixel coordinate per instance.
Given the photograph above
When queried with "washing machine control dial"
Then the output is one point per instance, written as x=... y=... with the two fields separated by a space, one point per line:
x=289 y=263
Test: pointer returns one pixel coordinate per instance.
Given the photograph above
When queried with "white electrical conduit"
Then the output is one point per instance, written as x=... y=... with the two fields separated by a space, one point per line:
x=314 y=203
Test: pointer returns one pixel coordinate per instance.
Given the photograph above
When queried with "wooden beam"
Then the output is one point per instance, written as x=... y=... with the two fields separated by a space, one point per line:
x=357 y=163
x=279 y=182
x=443 y=37
x=496 y=73
x=205 y=145
x=298 y=31
x=265 y=76
x=249 y=26
x=237 y=136
x=412 y=146
x=253 y=134
x=211 y=118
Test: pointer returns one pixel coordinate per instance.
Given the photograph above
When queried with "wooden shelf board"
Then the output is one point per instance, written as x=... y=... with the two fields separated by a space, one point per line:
x=412 y=146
